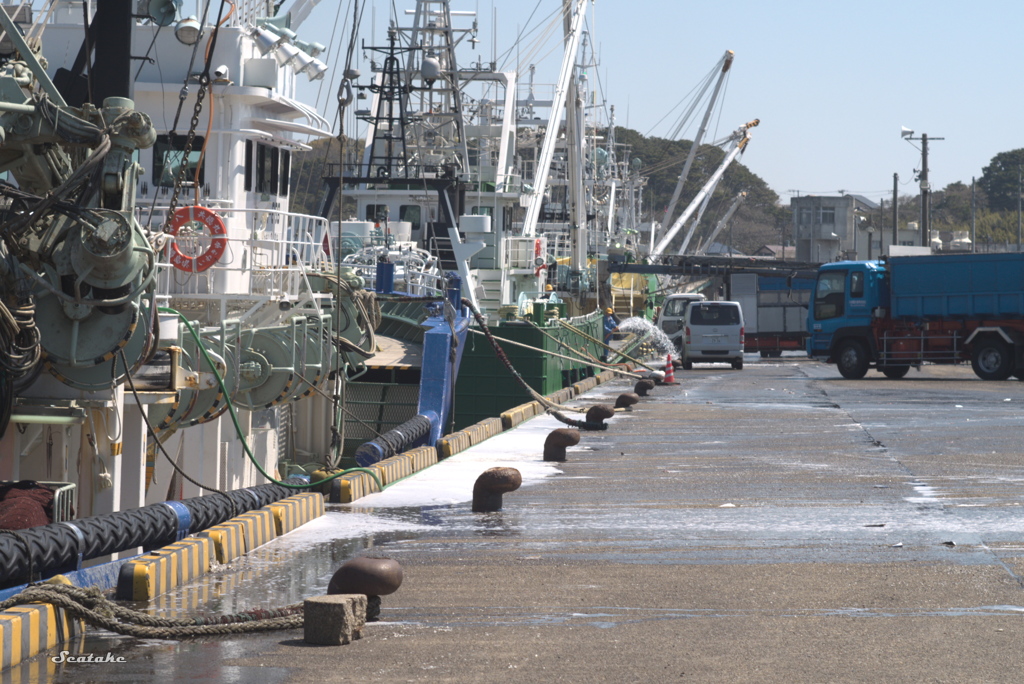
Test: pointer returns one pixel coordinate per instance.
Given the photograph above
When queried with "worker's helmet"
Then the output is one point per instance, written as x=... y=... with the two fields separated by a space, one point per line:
x=609 y=311
x=548 y=288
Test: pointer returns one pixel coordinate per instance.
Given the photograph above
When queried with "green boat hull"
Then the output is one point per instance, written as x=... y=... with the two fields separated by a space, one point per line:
x=485 y=388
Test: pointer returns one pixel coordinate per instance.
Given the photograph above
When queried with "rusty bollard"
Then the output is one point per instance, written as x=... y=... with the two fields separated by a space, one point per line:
x=597 y=414
x=369 y=575
x=557 y=441
x=643 y=387
x=626 y=401
x=491 y=484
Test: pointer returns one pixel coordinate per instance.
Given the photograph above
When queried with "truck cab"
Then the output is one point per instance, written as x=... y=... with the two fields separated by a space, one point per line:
x=846 y=297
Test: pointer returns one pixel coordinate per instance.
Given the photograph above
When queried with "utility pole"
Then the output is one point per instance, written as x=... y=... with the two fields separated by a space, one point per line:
x=974 y=238
x=923 y=178
x=895 y=208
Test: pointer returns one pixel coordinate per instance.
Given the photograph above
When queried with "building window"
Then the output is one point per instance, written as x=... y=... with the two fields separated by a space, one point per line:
x=828 y=215
x=168 y=156
x=805 y=216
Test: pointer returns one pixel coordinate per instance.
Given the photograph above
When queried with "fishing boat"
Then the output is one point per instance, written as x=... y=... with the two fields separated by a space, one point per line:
x=171 y=327
x=519 y=187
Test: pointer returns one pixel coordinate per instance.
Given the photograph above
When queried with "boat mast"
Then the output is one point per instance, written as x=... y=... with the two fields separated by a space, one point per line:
x=547 y=150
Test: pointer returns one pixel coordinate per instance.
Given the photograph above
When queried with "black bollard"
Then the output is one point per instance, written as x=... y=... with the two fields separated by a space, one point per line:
x=627 y=400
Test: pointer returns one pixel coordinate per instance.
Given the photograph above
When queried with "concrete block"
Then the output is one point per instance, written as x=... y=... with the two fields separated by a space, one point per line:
x=334 y=619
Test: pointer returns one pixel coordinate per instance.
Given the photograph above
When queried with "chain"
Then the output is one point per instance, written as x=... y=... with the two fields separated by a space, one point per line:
x=204 y=82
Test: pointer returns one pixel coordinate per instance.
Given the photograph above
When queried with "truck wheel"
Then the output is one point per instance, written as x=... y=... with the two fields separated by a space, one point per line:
x=737 y=365
x=894 y=372
x=991 y=359
x=852 y=360
x=765 y=354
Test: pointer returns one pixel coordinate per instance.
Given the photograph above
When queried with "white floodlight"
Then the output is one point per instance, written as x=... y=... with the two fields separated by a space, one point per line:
x=266 y=40
x=187 y=31
x=286 y=53
x=316 y=70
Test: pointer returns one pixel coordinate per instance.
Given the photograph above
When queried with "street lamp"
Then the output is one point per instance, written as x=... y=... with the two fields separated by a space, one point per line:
x=871 y=237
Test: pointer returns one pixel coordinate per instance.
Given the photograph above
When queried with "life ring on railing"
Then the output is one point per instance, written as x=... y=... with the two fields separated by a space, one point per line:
x=539 y=269
x=215 y=224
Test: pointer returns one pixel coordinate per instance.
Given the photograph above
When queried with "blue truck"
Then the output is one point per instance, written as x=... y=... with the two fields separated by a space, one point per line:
x=906 y=311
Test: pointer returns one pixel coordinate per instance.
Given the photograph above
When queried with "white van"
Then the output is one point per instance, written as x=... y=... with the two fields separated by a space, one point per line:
x=713 y=332
x=672 y=316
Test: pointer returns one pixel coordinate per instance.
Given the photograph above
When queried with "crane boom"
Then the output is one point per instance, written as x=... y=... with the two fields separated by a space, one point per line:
x=721 y=224
x=726 y=62
x=740 y=138
x=547 y=150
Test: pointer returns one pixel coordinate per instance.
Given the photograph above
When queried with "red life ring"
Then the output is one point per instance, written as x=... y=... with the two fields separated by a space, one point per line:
x=214 y=223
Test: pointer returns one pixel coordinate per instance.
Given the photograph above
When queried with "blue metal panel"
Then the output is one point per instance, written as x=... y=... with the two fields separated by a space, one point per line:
x=441 y=360
x=965 y=286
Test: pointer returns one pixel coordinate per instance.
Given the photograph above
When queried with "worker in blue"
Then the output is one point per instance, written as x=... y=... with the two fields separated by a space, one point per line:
x=610 y=328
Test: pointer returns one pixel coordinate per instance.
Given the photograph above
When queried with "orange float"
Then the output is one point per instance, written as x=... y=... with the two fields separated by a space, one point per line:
x=212 y=222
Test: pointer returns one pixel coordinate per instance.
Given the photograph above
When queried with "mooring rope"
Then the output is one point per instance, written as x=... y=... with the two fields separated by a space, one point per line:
x=592 y=339
x=92 y=607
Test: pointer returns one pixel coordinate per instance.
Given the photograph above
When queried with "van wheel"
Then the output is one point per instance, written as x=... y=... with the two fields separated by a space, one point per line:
x=852 y=360
x=737 y=365
x=687 y=365
x=991 y=359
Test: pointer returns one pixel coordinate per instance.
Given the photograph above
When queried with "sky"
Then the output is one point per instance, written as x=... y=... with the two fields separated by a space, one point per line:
x=832 y=82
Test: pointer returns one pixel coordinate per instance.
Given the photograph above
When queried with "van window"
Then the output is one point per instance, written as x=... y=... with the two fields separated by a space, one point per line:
x=829 y=295
x=714 y=314
x=676 y=307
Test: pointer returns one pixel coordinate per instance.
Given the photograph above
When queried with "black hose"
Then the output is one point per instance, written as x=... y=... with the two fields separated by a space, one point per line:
x=56 y=547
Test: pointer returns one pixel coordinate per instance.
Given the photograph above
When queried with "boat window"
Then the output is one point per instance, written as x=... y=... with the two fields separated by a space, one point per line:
x=830 y=295
x=168 y=156
x=412 y=214
x=378 y=213
x=268 y=169
x=248 y=165
x=286 y=162
x=483 y=211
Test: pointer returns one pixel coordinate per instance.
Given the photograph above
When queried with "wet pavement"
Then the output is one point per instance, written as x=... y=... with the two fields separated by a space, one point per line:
x=773 y=524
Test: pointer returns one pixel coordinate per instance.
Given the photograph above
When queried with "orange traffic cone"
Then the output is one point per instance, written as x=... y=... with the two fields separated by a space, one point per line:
x=670 y=374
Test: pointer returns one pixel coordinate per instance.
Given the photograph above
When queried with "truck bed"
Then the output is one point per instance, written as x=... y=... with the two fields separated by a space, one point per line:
x=966 y=286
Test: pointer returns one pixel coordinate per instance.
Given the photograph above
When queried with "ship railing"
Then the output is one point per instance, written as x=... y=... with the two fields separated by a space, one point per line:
x=416 y=276
x=267 y=254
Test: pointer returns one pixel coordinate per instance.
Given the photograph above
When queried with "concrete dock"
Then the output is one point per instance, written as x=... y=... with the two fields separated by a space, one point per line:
x=775 y=524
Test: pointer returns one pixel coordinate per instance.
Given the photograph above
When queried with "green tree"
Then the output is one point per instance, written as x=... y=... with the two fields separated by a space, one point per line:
x=1001 y=180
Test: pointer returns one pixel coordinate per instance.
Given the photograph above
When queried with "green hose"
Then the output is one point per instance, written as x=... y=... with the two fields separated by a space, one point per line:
x=238 y=428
